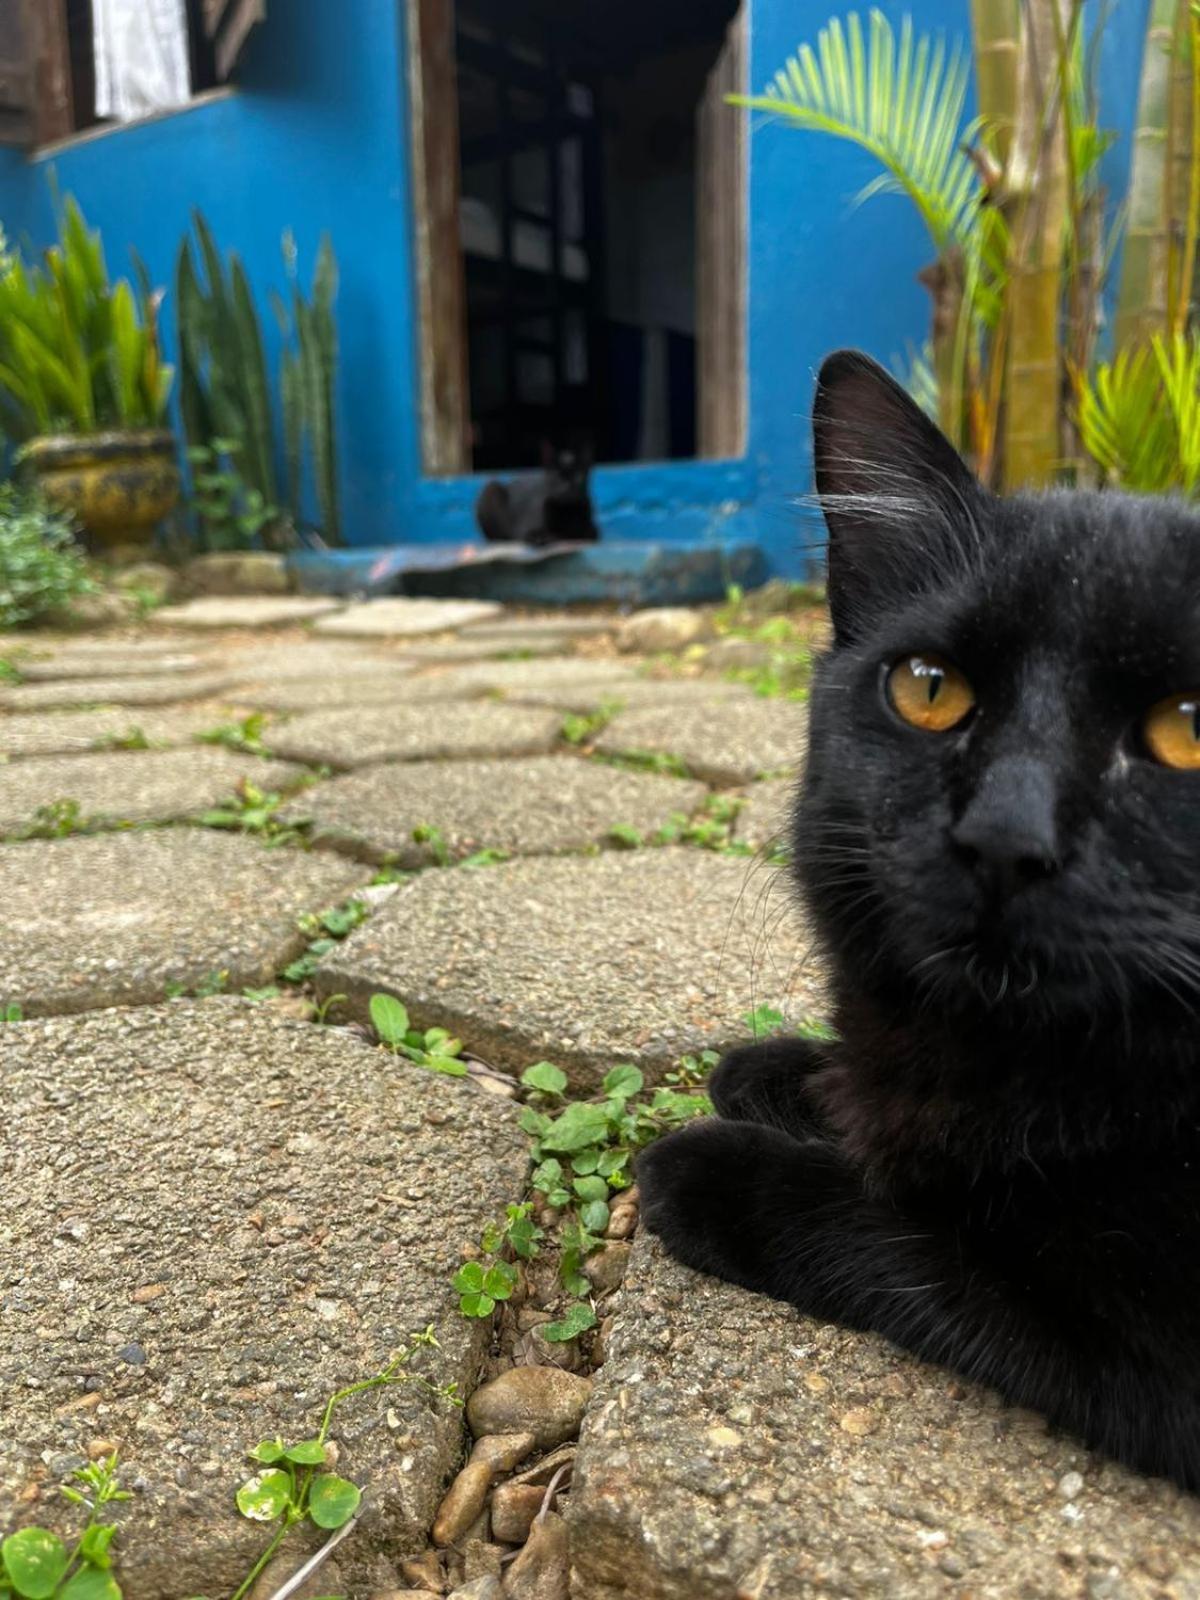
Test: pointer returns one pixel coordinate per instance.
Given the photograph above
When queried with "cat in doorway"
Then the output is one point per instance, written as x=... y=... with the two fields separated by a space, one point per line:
x=553 y=506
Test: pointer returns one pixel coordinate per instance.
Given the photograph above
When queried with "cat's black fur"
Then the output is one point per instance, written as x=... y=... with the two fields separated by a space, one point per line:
x=553 y=506
x=998 y=1163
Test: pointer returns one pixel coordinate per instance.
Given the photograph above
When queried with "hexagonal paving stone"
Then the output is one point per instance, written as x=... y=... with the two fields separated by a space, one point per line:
x=264 y=662
x=170 y=690
x=231 y=1217
x=414 y=733
x=586 y=961
x=733 y=1447
x=537 y=807
x=733 y=743
x=49 y=733
x=511 y=678
x=764 y=820
x=558 y=625
x=472 y=648
x=244 y=611
x=134 y=785
x=113 y=918
x=132 y=664
x=376 y=686
x=633 y=694
x=399 y=618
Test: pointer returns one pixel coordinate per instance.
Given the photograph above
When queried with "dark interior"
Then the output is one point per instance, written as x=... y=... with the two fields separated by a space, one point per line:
x=577 y=215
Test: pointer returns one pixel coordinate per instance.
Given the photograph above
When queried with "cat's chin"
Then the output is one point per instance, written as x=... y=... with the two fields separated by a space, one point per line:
x=1016 y=988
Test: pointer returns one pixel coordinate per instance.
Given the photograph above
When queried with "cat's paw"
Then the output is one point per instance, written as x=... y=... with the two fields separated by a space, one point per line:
x=711 y=1192
x=766 y=1083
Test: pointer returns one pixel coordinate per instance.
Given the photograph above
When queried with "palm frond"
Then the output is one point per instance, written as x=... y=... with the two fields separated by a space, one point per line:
x=1139 y=416
x=903 y=101
x=916 y=372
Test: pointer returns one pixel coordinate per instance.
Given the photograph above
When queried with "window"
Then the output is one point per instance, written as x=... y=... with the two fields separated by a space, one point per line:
x=581 y=226
x=68 y=65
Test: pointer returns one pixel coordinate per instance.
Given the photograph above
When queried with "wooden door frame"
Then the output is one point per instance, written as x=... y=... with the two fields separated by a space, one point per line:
x=440 y=276
x=722 y=377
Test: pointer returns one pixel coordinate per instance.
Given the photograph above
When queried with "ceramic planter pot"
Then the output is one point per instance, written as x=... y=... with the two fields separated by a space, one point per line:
x=120 y=485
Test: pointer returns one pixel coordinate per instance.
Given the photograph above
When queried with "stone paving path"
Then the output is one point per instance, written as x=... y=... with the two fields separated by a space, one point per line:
x=217 y=1212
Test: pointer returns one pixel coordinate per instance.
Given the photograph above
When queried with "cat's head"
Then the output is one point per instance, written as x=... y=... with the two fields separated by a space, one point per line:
x=567 y=468
x=1001 y=808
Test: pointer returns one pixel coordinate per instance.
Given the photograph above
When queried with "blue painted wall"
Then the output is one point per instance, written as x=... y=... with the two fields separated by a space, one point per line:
x=316 y=139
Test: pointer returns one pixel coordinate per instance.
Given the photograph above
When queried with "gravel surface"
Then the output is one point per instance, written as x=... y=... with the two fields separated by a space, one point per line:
x=635 y=693
x=585 y=961
x=537 y=807
x=115 y=691
x=765 y=818
x=725 y=744
x=134 y=785
x=431 y=732
x=223 y=1218
x=244 y=611
x=49 y=733
x=405 y=619
x=736 y=1449
x=365 y=684
x=112 y=919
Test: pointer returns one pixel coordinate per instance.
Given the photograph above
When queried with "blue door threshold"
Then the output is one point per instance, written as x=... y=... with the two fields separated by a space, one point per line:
x=625 y=573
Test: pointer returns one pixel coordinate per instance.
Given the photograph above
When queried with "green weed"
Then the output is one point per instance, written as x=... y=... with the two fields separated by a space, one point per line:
x=432 y=1048
x=245 y=735
x=35 y=1564
x=582 y=728
x=57 y=820
x=293 y=1486
x=323 y=929
x=252 y=810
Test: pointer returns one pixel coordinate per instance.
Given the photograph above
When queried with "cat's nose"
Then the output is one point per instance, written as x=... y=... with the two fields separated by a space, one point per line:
x=1009 y=832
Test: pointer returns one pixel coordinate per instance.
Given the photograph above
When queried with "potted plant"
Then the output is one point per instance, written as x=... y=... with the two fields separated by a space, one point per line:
x=83 y=388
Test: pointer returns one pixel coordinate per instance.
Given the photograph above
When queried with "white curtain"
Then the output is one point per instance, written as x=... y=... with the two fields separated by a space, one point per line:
x=141 y=57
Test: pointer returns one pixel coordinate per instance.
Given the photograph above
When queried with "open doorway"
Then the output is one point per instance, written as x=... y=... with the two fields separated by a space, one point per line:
x=598 y=227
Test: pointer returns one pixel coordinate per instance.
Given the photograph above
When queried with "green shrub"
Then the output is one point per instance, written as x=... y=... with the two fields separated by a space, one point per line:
x=41 y=566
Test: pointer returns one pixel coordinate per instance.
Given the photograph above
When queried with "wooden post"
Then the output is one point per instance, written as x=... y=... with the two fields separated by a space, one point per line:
x=721 y=226
x=441 y=291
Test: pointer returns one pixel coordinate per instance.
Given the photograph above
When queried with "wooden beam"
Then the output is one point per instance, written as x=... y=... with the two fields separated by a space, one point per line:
x=441 y=293
x=721 y=225
x=50 y=59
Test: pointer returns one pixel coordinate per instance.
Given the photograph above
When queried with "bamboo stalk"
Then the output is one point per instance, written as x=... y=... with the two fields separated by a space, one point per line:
x=1038 y=190
x=1142 y=308
x=1181 y=300
x=996 y=28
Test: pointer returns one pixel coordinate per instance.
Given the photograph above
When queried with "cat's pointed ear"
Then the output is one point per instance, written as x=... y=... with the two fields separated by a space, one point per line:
x=899 y=501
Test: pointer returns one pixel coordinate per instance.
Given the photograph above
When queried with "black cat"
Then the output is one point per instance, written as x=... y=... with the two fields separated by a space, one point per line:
x=998 y=839
x=553 y=506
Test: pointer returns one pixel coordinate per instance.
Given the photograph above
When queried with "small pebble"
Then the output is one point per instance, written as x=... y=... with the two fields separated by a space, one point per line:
x=423 y=1572
x=622 y=1222
x=605 y=1270
x=543 y=1401
x=514 y=1506
x=463 y=1502
x=1070 y=1485
x=541 y=1571
x=133 y=1355
x=859 y=1422
x=503 y=1451
x=487 y=1588
x=542 y=1471
x=481 y=1559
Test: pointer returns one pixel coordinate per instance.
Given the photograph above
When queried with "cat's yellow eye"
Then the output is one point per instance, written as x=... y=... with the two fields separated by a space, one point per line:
x=929 y=692
x=1172 y=732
